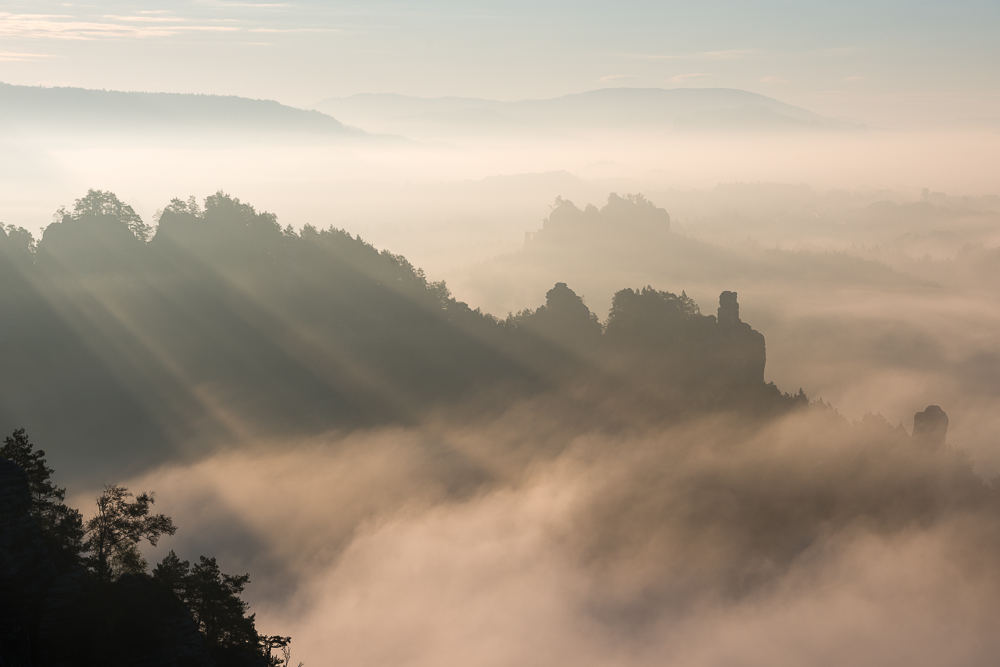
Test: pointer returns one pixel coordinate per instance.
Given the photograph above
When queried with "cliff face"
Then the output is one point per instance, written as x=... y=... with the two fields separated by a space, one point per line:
x=742 y=352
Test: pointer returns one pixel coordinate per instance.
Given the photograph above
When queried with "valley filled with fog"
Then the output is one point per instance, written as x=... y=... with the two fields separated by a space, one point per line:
x=463 y=382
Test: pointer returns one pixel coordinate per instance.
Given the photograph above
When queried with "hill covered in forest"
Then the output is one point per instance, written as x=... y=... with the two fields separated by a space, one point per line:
x=221 y=324
x=631 y=241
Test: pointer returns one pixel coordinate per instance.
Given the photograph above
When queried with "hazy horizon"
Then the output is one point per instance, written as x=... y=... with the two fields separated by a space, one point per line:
x=875 y=63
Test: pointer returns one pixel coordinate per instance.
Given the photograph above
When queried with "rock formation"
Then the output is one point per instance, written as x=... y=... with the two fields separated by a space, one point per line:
x=930 y=427
x=729 y=310
x=742 y=353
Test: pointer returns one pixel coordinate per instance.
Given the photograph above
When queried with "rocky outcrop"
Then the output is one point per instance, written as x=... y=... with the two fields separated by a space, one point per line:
x=664 y=337
x=623 y=220
x=25 y=567
x=930 y=427
x=742 y=352
x=729 y=311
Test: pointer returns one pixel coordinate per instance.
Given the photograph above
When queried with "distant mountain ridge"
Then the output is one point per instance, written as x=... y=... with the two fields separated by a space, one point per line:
x=75 y=110
x=79 y=109
x=679 y=109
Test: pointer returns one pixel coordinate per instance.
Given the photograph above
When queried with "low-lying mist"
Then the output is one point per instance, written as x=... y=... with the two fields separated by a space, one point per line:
x=532 y=538
x=425 y=200
x=486 y=471
x=840 y=321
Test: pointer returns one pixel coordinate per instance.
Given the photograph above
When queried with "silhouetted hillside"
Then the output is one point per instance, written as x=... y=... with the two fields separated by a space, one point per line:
x=677 y=109
x=66 y=110
x=224 y=324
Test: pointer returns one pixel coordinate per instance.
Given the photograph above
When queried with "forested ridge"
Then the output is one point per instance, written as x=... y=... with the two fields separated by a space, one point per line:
x=126 y=337
x=128 y=345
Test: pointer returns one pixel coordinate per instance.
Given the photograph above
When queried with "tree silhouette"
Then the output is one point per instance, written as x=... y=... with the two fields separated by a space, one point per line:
x=116 y=613
x=105 y=202
x=648 y=316
x=61 y=526
x=114 y=533
x=564 y=319
x=213 y=599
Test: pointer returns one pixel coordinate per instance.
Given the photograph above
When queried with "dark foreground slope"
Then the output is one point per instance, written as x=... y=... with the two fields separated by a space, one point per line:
x=84 y=597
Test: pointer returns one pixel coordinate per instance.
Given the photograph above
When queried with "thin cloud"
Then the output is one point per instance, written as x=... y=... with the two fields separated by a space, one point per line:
x=688 y=77
x=773 y=79
x=146 y=19
x=615 y=77
x=295 y=30
x=730 y=54
x=10 y=56
x=744 y=54
x=266 y=5
x=51 y=26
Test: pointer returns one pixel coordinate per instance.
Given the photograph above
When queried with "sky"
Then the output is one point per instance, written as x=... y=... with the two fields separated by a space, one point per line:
x=881 y=62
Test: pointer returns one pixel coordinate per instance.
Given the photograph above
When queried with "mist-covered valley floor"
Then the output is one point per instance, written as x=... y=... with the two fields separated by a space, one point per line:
x=535 y=540
x=614 y=467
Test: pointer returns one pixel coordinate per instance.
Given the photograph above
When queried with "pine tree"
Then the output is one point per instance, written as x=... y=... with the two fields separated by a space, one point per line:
x=61 y=526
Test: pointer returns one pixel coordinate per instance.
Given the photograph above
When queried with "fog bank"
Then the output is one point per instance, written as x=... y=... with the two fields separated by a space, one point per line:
x=805 y=539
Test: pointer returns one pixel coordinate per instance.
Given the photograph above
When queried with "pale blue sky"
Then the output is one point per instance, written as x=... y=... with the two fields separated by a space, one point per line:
x=876 y=61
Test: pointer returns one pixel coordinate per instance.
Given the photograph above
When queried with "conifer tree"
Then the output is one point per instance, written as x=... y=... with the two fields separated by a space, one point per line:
x=61 y=526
